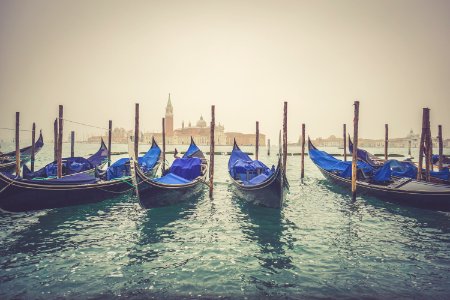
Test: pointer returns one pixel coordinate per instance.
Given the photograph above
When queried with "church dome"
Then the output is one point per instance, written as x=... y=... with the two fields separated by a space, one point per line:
x=201 y=122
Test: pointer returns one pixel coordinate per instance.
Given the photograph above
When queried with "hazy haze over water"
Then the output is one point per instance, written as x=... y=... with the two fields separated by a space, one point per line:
x=100 y=57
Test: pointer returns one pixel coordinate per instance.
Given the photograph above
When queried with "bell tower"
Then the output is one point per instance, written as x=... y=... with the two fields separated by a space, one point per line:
x=169 y=118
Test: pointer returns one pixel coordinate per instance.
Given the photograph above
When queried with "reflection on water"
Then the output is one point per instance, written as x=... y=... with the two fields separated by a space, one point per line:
x=265 y=226
x=157 y=226
x=320 y=245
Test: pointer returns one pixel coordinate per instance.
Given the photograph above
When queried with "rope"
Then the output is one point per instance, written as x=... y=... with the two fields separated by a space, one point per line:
x=1 y=191
x=13 y=129
x=205 y=182
x=84 y=124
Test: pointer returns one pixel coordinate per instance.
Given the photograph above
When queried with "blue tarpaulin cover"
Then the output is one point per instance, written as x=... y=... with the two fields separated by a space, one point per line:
x=70 y=165
x=398 y=168
x=444 y=174
x=332 y=164
x=171 y=178
x=395 y=168
x=250 y=172
x=445 y=159
x=187 y=168
x=122 y=167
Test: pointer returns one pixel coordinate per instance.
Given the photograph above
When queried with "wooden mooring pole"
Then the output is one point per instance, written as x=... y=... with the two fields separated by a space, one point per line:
x=423 y=140
x=268 y=147
x=163 y=146
x=441 y=148
x=72 y=144
x=211 y=151
x=386 y=141
x=109 y=142
x=33 y=149
x=355 y=149
x=55 y=140
x=136 y=131
x=428 y=146
x=60 y=141
x=257 y=141
x=302 y=166
x=409 y=148
x=285 y=136
x=345 y=141
x=17 y=144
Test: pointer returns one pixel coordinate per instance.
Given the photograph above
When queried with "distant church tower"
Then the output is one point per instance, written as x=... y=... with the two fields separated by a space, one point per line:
x=169 y=118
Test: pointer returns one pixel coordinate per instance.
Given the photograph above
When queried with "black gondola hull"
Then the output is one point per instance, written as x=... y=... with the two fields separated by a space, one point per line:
x=156 y=196
x=8 y=167
x=269 y=194
x=20 y=196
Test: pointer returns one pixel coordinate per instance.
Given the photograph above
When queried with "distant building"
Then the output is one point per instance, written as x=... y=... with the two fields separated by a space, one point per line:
x=200 y=133
x=182 y=136
x=411 y=137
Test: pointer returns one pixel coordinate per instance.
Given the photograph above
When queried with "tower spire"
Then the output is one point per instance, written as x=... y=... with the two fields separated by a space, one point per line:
x=169 y=118
x=169 y=107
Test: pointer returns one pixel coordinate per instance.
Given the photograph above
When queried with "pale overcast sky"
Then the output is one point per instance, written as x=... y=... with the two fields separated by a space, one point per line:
x=98 y=58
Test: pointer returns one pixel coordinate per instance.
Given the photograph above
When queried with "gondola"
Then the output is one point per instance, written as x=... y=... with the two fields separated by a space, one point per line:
x=402 y=168
x=8 y=160
x=18 y=194
x=255 y=182
x=70 y=165
x=396 y=189
x=184 y=179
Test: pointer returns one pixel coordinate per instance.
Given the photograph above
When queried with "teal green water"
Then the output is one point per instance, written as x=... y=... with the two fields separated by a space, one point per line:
x=319 y=245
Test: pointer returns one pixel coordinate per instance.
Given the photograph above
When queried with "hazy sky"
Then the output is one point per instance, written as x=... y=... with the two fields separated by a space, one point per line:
x=98 y=58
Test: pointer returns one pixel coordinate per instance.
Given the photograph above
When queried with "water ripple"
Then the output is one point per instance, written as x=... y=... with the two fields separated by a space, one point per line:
x=320 y=245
